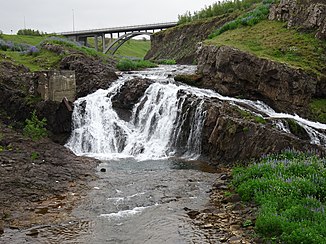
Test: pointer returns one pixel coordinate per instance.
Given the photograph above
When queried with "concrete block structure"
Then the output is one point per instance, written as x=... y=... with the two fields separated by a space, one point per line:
x=57 y=85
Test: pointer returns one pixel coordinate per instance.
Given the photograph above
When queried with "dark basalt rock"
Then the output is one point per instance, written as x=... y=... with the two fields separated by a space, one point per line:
x=229 y=137
x=91 y=74
x=232 y=72
x=129 y=95
x=307 y=15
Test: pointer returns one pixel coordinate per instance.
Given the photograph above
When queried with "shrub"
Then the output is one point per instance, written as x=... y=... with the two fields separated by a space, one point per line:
x=33 y=51
x=18 y=47
x=35 y=128
x=249 y=19
x=29 y=32
x=1 y=34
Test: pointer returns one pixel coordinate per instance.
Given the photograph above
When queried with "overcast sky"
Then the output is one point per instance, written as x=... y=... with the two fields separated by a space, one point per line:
x=57 y=15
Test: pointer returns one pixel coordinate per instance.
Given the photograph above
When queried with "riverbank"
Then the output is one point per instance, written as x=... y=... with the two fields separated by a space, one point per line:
x=41 y=181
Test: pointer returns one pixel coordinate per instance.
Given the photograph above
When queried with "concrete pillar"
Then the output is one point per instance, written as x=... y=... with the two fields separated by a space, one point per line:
x=118 y=34
x=96 y=42
x=82 y=40
x=103 y=42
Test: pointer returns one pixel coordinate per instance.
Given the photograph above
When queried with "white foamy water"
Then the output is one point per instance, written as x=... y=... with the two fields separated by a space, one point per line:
x=158 y=120
x=124 y=213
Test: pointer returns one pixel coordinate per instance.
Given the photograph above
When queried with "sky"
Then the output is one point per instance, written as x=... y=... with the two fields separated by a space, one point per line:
x=62 y=15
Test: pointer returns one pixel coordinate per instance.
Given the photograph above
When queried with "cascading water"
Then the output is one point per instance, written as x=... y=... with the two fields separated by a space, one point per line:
x=162 y=123
x=98 y=131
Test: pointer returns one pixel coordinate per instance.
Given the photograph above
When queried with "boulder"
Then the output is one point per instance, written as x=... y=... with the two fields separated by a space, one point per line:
x=129 y=95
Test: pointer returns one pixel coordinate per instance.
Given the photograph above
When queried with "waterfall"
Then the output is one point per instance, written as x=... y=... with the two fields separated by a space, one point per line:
x=98 y=131
x=167 y=121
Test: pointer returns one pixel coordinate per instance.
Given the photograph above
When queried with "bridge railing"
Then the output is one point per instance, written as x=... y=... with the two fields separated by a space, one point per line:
x=122 y=28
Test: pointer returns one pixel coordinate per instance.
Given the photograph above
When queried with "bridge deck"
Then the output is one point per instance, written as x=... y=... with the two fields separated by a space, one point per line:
x=119 y=29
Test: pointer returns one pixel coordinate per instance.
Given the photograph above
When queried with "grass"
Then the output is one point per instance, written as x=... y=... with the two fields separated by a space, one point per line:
x=132 y=48
x=250 y=18
x=272 y=40
x=219 y=8
x=318 y=110
x=31 y=40
x=43 y=61
x=290 y=189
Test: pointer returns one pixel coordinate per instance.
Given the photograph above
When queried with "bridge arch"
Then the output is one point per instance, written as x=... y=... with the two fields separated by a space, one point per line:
x=114 y=46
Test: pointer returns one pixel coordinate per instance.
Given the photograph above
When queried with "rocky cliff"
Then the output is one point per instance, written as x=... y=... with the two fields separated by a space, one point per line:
x=308 y=15
x=180 y=43
x=232 y=72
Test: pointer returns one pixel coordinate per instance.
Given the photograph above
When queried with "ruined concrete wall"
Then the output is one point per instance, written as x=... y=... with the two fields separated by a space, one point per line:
x=55 y=85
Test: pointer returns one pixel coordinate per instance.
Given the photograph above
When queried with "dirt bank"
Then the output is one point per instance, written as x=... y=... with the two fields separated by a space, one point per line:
x=40 y=182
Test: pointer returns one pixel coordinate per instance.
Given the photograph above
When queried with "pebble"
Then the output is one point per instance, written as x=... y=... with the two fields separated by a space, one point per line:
x=208 y=226
x=33 y=232
x=1 y=228
x=223 y=177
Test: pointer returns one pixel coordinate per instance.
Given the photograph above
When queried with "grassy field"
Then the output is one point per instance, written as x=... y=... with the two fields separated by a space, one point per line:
x=272 y=40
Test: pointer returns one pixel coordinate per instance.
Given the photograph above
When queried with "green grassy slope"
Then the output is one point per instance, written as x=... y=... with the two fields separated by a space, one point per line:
x=272 y=40
x=42 y=59
x=32 y=40
x=134 y=48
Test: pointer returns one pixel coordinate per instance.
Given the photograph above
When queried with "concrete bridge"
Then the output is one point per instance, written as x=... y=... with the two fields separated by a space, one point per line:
x=122 y=34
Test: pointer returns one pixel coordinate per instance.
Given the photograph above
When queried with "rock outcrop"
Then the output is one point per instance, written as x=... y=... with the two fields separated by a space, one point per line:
x=229 y=137
x=91 y=74
x=179 y=43
x=308 y=15
x=129 y=94
x=232 y=72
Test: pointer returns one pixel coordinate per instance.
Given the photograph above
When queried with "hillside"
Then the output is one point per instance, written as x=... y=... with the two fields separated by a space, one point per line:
x=265 y=33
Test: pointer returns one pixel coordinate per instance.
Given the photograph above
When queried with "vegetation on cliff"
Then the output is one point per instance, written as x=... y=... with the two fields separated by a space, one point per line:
x=218 y=9
x=290 y=189
x=272 y=40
